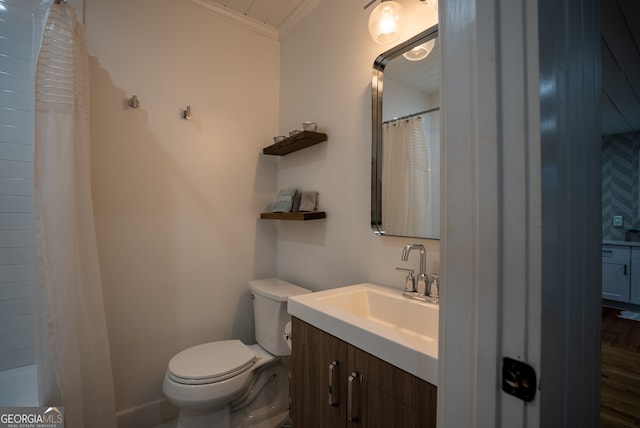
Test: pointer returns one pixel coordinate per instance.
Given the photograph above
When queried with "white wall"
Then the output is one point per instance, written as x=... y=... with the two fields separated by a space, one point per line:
x=326 y=64
x=402 y=100
x=176 y=201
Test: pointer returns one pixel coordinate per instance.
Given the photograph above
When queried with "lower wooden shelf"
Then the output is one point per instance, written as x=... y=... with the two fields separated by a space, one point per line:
x=300 y=216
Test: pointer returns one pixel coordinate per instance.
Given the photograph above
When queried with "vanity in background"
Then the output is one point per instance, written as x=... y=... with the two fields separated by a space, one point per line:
x=621 y=217
x=621 y=271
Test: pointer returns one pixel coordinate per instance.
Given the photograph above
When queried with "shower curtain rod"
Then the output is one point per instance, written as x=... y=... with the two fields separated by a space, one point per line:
x=412 y=115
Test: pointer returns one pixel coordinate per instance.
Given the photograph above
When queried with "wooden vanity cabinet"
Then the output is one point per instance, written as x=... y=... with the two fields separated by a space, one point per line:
x=382 y=396
x=312 y=350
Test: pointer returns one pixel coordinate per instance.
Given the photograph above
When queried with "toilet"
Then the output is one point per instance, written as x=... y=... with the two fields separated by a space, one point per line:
x=228 y=384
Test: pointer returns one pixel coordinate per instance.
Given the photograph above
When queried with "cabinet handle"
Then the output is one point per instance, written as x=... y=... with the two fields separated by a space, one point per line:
x=353 y=397
x=625 y=269
x=334 y=389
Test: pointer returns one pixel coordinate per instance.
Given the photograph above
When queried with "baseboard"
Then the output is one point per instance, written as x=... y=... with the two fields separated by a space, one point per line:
x=148 y=415
x=621 y=305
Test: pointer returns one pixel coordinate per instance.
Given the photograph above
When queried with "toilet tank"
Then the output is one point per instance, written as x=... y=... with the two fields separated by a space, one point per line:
x=270 y=311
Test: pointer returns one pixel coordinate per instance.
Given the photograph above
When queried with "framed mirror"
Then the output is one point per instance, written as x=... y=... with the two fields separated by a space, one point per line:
x=405 y=152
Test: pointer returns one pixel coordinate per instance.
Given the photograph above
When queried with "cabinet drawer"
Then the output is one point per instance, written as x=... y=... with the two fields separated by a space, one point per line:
x=612 y=253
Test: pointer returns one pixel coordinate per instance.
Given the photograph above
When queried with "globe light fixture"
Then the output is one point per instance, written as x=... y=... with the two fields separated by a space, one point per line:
x=386 y=21
x=421 y=51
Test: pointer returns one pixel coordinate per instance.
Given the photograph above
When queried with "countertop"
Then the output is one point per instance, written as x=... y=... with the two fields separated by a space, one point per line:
x=625 y=243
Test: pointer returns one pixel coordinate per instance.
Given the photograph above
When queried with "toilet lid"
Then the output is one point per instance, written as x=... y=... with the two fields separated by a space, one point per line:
x=211 y=362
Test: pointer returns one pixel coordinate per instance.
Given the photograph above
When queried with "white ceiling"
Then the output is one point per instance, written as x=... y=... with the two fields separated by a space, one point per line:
x=270 y=12
x=423 y=76
x=620 y=66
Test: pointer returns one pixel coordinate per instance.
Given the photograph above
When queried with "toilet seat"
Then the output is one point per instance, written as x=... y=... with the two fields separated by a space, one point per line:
x=211 y=362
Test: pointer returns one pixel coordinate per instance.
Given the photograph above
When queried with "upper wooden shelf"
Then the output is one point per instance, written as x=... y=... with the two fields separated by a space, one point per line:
x=297 y=142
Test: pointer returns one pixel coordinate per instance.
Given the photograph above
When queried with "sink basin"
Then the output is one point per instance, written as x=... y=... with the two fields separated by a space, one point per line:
x=378 y=320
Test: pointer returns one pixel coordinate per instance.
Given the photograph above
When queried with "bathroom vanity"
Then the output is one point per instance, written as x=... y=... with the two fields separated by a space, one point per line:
x=621 y=271
x=335 y=384
x=363 y=355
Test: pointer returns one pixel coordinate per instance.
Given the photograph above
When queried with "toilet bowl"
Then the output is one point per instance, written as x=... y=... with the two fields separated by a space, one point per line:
x=229 y=384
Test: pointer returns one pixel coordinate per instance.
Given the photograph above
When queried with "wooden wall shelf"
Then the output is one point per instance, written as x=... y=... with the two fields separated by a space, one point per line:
x=297 y=142
x=300 y=216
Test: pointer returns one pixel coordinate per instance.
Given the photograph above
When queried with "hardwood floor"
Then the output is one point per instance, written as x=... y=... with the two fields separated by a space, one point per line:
x=620 y=384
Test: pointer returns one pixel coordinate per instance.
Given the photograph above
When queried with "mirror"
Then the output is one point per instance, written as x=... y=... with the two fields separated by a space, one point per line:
x=405 y=153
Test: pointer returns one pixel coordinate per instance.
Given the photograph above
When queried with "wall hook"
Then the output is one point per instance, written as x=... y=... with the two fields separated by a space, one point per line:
x=134 y=102
x=187 y=113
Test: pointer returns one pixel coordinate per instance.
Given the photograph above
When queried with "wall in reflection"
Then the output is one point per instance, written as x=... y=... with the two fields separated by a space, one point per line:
x=620 y=175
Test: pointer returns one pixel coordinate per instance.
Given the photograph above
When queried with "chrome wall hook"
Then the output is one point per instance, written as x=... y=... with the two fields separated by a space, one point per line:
x=134 y=102
x=186 y=114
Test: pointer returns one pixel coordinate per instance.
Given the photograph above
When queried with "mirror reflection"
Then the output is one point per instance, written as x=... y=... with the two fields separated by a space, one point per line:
x=405 y=197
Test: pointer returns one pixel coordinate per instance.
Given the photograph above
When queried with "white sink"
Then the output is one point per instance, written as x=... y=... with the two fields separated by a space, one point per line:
x=378 y=320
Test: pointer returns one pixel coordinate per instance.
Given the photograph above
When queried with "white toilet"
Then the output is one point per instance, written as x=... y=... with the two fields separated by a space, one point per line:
x=229 y=384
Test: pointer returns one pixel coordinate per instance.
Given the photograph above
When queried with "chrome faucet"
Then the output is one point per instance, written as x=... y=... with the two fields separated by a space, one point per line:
x=422 y=273
x=425 y=291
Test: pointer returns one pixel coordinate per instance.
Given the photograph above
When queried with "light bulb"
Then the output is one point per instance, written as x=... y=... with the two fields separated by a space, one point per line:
x=421 y=51
x=385 y=22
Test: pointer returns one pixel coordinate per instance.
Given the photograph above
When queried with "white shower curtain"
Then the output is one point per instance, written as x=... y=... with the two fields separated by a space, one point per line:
x=73 y=358
x=405 y=170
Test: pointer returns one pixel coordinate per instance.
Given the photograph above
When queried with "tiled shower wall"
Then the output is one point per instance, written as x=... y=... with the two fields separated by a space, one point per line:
x=16 y=153
x=620 y=162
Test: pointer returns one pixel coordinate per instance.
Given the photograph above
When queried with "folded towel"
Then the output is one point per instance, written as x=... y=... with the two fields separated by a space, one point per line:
x=284 y=201
x=296 y=201
x=309 y=201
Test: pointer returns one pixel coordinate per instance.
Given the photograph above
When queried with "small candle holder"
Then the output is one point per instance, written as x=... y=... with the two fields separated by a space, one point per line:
x=310 y=126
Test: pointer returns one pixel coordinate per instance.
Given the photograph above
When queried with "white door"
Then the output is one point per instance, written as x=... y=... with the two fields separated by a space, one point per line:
x=521 y=268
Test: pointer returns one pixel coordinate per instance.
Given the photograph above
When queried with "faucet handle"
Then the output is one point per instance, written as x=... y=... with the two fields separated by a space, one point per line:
x=423 y=284
x=409 y=281
x=434 y=285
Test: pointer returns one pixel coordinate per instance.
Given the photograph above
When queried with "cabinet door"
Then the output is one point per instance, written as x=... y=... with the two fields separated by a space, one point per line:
x=389 y=396
x=313 y=351
x=634 y=296
x=616 y=269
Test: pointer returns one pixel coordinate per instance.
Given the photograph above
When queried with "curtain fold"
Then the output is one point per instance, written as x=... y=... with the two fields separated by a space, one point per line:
x=73 y=356
x=405 y=170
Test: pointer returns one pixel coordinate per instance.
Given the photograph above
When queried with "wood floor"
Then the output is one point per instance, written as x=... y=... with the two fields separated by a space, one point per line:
x=620 y=385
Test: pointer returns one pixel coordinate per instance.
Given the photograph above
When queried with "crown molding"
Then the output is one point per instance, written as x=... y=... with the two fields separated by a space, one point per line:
x=248 y=23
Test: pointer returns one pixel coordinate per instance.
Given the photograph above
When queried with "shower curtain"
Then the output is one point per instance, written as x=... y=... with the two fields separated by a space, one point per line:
x=405 y=170
x=73 y=357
